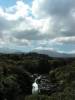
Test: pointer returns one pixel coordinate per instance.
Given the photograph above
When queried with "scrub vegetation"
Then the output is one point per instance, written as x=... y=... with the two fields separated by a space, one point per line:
x=16 y=71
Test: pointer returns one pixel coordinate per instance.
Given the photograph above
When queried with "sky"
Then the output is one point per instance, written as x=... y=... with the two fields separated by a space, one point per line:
x=38 y=24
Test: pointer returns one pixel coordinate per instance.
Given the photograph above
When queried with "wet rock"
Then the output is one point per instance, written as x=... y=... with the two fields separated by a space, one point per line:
x=45 y=85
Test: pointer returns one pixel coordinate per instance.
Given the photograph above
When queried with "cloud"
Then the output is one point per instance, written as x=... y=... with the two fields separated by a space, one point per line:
x=20 y=10
x=52 y=7
x=21 y=42
x=14 y=19
x=42 y=48
x=61 y=13
x=46 y=24
x=12 y=40
x=27 y=34
x=64 y=40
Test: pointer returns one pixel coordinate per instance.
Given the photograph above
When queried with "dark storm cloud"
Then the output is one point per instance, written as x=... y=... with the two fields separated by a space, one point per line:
x=57 y=7
x=62 y=13
x=31 y=34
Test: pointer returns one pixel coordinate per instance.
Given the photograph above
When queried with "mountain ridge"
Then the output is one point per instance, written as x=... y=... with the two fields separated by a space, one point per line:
x=54 y=53
x=50 y=53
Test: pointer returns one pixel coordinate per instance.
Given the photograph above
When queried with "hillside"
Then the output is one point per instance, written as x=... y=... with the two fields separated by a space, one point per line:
x=16 y=70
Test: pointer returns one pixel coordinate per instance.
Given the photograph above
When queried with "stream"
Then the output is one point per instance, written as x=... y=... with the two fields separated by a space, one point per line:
x=43 y=85
x=35 y=85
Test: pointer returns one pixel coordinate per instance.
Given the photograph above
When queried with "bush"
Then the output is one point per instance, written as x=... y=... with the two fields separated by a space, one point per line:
x=14 y=82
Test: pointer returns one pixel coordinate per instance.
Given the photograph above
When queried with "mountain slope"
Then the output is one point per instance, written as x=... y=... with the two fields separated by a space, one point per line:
x=53 y=53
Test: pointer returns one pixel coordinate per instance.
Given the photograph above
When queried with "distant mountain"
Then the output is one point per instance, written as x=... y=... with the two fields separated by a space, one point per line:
x=53 y=53
x=8 y=50
x=50 y=53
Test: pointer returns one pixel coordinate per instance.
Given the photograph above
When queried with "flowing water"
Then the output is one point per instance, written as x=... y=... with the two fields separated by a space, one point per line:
x=43 y=85
x=35 y=88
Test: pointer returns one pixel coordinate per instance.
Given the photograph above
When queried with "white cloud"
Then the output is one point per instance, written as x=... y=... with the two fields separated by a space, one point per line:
x=64 y=40
x=12 y=40
x=21 y=42
x=1 y=12
x=44 y=48
x=20 y=10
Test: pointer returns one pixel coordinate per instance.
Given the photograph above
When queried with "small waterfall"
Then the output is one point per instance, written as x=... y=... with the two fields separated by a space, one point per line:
x=35 y=88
